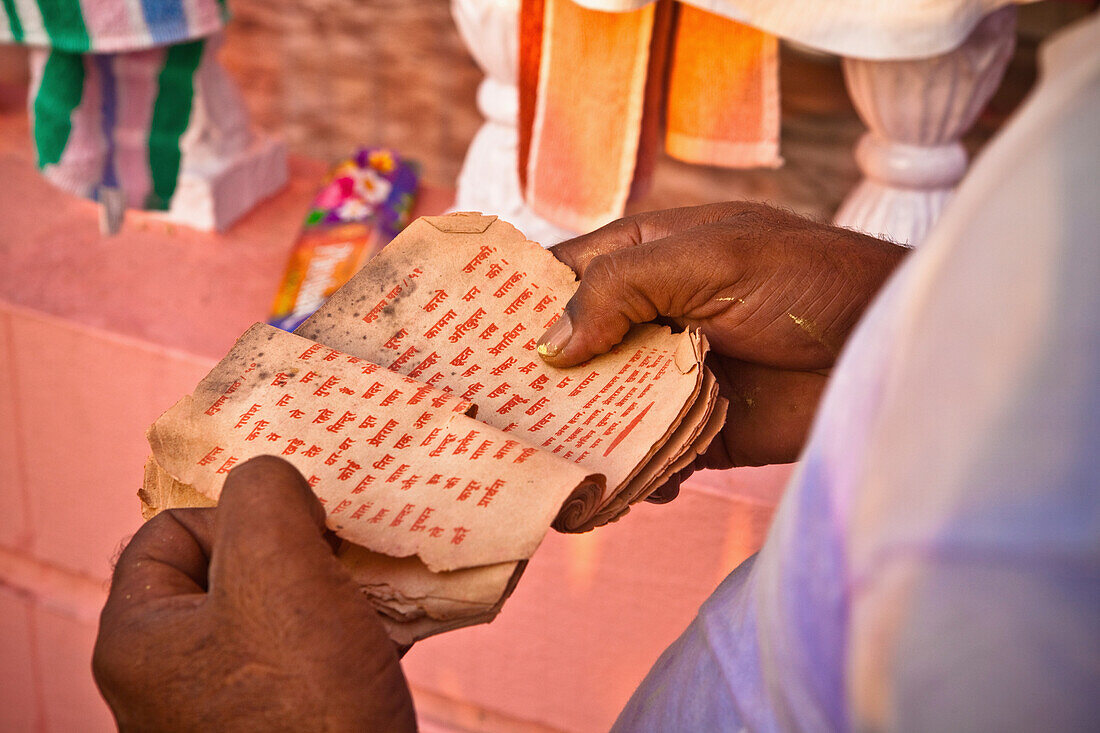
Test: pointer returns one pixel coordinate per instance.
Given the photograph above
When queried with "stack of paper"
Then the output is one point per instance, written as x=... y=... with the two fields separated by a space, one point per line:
x=441 y=445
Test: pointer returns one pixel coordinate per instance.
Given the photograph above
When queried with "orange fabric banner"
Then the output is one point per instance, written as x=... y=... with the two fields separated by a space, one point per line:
x=588 y=112
x=723 y=93
x=595 y=86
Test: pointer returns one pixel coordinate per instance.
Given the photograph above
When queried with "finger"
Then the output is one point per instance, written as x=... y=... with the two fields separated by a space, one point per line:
x=168 y=556
x=666 y=493
x=270 y=531
x=671 y=488
x=632 y=231
x=618 y=290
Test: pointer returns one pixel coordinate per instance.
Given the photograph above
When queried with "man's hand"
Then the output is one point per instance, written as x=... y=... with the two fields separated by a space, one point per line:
x=240 y=618
x=775 y=294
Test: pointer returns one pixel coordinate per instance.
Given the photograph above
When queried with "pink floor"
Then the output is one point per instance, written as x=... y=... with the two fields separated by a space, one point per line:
x=99 y=335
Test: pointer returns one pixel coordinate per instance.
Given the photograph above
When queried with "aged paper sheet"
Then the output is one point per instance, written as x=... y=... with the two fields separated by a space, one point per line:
x=399 y=466
x=440 y=444
x=460 y=301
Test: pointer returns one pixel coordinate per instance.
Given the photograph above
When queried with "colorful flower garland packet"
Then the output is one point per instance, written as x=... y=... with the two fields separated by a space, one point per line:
x=365 y=202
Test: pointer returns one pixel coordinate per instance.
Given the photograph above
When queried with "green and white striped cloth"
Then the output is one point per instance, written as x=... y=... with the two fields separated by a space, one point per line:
x=113 y=89
x=108 y=26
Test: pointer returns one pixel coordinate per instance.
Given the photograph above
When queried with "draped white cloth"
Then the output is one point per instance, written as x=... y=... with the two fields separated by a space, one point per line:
x=869 y=29
x=935 y=561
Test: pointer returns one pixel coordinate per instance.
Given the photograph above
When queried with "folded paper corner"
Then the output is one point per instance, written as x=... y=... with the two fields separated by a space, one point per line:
x=461 y=222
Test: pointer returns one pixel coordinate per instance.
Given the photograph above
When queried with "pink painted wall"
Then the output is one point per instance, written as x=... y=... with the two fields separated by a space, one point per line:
x=74 y=404
x=98 y=336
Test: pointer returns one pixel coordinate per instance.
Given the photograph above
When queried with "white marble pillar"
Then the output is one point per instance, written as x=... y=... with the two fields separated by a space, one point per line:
x=917 y=111
x=226 y=167
x=489 y=181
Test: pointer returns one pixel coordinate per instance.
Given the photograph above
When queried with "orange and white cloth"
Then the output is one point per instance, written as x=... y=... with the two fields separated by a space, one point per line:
x=597 y=89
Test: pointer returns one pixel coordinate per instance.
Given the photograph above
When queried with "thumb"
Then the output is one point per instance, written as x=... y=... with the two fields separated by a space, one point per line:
x=269 y=531
x=617 y=290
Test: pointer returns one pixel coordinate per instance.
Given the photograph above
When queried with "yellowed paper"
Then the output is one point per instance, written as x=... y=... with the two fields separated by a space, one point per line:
x=460 y=300
x=442 y=596
x=399 y=467
x=374 y=402
x=417 y=602
x=160 y=491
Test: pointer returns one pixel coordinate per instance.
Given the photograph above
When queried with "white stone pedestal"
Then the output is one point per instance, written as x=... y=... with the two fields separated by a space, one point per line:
x=212 y=194
x=226 y=168
x=917 y=112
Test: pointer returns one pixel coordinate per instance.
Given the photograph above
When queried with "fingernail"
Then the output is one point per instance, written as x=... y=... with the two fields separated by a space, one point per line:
x=556 y=337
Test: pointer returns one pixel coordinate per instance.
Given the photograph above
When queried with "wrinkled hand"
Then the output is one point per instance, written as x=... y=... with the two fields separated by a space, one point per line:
x=240 y=618
x=776 y=295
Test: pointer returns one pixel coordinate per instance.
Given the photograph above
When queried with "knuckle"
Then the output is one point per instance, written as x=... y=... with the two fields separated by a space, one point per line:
x=633 y=230
x=602 y=285
x=625 y=283
x=155 y=526
x=751 y=214
x=265 y=463
x=579 y=253
x=599 y=268
x=264 y=468
x=569 y=252
x=175 y=519
x=608 y=274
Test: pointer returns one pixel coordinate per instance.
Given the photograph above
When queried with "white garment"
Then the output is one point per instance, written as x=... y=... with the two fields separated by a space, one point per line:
x=935 y=562
x=868 y=29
